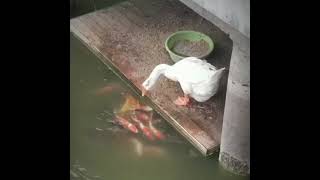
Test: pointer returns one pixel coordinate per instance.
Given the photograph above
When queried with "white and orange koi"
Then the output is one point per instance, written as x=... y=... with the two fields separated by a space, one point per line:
x=147 y=150
x=156 y=132
x=146 y=131
x=144 y=108
x=143 y=116
x=126 y=124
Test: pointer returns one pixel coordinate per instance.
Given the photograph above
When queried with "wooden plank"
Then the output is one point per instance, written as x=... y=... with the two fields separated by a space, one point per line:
x=129 y=38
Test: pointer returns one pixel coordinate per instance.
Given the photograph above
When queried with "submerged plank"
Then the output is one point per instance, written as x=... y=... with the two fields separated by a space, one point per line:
x=129 y=38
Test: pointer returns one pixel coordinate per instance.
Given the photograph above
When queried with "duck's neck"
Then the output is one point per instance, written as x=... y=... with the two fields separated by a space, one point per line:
x=157 y=72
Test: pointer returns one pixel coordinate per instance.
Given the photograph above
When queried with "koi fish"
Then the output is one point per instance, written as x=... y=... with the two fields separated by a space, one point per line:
x=156 y=132
x=133 y=104
x=126 y=124
x=142 y=116
x=130 y=103
x=108 y=89
x=149 y=150
x=144 y=108
x=138 y=146
x=146 y=131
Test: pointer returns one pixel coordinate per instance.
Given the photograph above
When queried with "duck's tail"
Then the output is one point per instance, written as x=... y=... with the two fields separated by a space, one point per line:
x=217 y=74
x=215 y=79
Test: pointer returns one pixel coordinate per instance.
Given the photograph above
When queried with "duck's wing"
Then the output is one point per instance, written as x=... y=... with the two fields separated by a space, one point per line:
x=208 y=87
x=193 y=70
x=186 y=87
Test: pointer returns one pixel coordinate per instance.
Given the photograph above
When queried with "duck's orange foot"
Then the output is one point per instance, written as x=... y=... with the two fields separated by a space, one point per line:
x=182 y=101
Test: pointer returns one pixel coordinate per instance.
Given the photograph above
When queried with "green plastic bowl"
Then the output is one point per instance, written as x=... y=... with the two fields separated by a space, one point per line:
x=187 y=35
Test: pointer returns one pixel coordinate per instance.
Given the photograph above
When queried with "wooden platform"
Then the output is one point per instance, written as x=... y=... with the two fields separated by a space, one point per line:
x=129 y=38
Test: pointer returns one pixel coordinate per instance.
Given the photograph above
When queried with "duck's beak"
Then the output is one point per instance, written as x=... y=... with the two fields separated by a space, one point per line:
x=144 y=91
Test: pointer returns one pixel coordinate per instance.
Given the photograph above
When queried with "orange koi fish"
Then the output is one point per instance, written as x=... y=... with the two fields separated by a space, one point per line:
x=133 y=104
x=108 y=89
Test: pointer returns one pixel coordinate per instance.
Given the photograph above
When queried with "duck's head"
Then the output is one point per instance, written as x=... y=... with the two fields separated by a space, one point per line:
x=149 y=83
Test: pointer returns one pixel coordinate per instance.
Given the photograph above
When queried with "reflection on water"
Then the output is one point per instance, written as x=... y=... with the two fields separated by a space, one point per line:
x=102 y=148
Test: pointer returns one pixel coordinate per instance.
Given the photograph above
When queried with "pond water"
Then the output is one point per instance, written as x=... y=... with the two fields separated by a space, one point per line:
x=100 y=149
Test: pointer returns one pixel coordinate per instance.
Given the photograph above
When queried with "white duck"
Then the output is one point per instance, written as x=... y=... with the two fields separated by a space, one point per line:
x=198 y=79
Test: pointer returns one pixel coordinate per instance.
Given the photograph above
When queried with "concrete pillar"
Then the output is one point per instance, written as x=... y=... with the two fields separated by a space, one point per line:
x=235 y=139
x=234 y=19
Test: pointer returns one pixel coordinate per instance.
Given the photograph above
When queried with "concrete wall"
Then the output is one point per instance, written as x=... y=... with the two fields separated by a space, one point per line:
x=235 y=137
x=233 y=17
x=234 y=12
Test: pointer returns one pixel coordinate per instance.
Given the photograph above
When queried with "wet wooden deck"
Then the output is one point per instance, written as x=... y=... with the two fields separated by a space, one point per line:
x=129 y=38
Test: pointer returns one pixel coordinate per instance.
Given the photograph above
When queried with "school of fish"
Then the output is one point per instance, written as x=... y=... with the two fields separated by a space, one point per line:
x=138 y=118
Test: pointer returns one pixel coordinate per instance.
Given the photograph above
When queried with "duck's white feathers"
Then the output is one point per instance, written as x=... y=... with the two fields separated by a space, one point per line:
x=206 y=89
x=198 y=78
x=192 y=70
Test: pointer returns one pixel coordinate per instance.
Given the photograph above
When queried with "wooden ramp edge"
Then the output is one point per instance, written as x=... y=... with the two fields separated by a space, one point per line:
x=129 y=38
